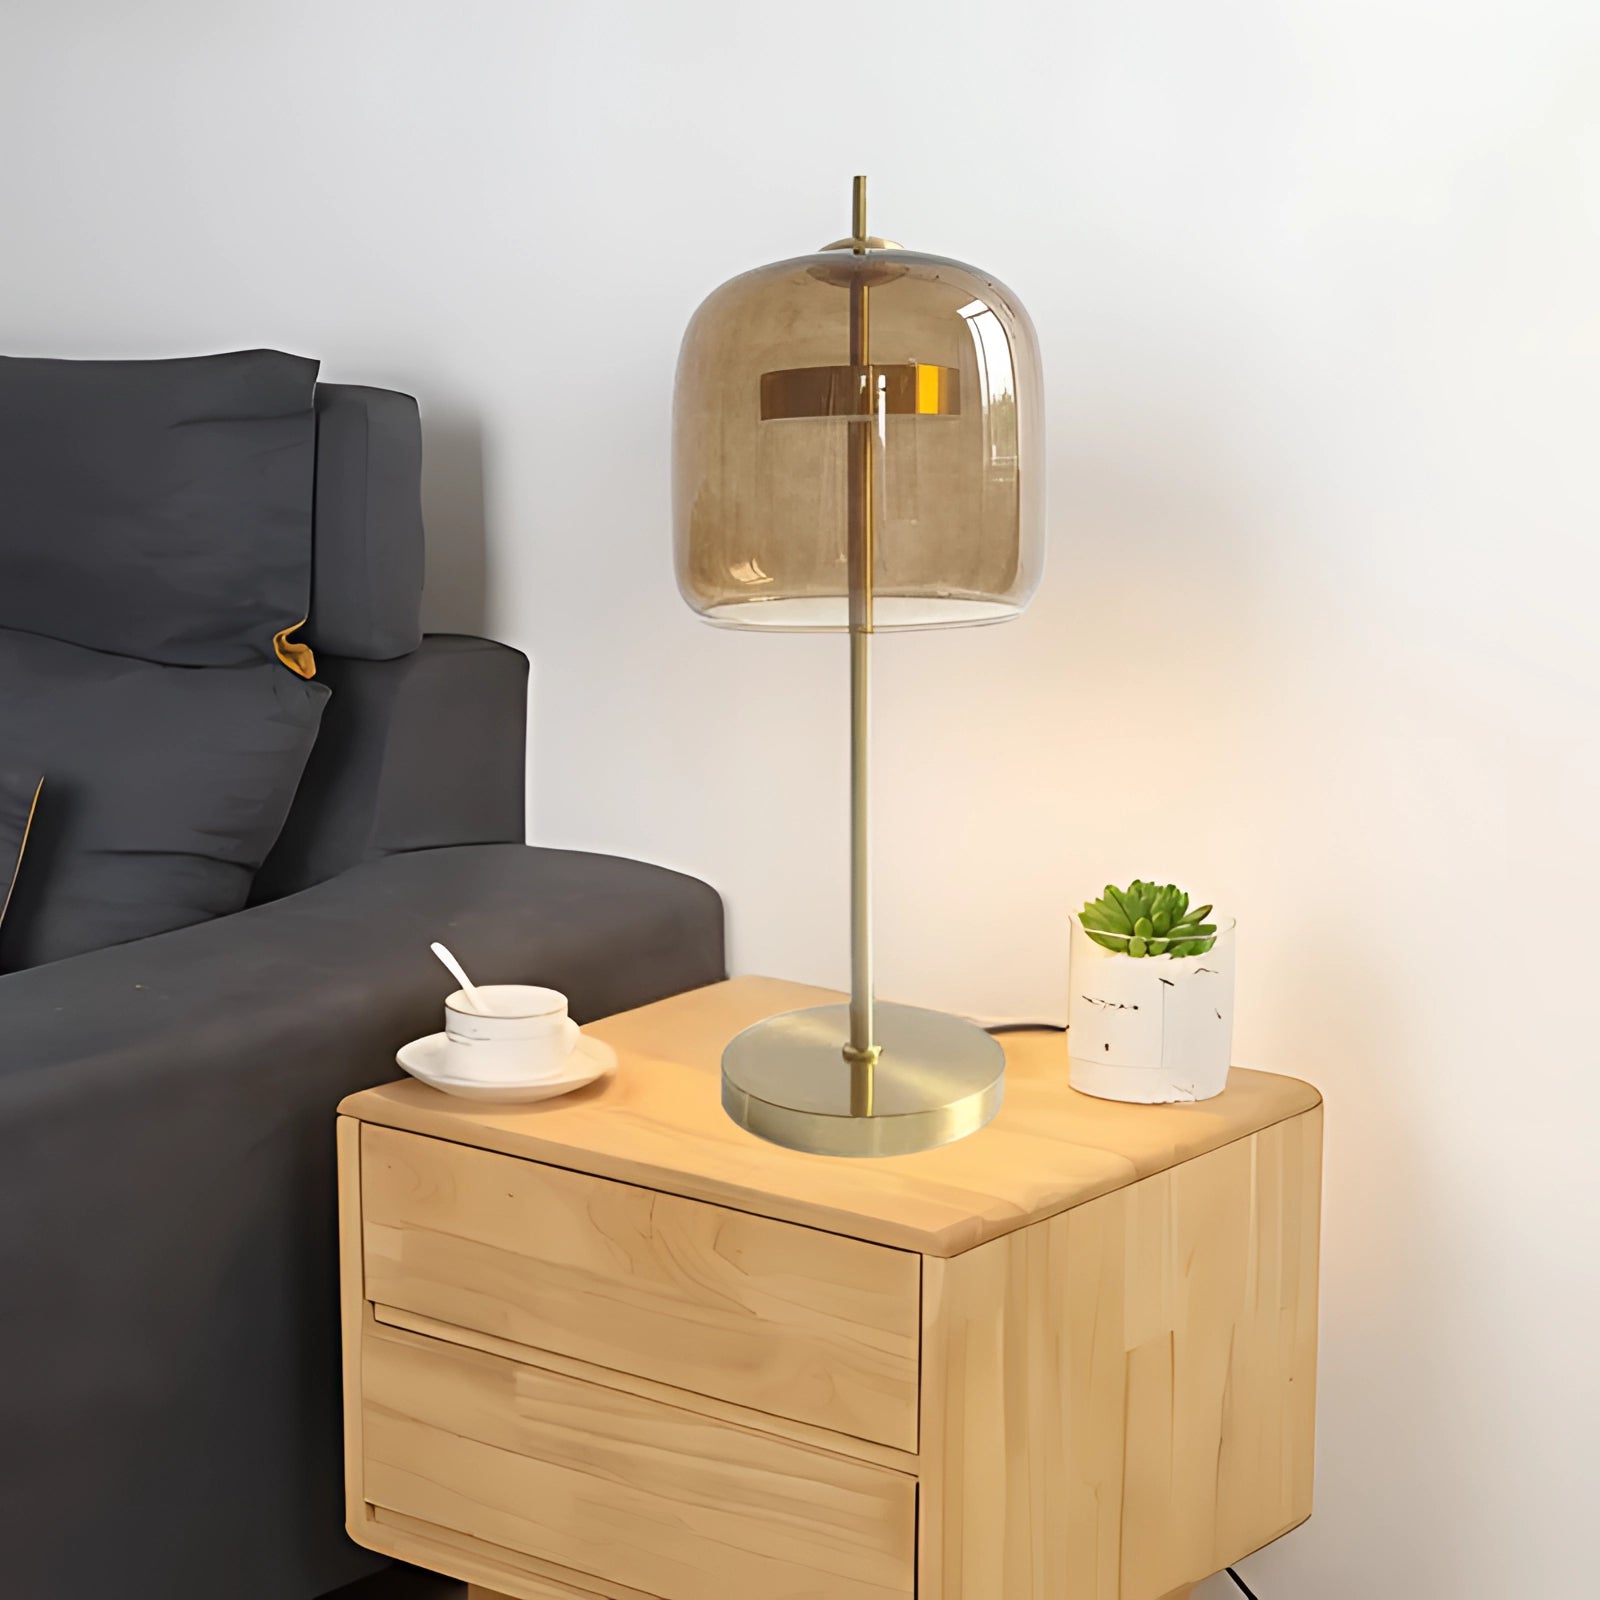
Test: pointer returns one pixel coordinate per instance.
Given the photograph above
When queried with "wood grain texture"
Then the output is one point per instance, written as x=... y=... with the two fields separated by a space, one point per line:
x=658 y=1122
x=784 y=1319
x=676 y=1505
x=844 y=1444
x=501 y=1571
x=1122 y=1398
x=352 y=1316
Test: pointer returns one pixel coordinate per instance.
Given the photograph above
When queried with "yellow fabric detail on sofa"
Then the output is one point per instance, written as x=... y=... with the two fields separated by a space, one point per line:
x=296 y=657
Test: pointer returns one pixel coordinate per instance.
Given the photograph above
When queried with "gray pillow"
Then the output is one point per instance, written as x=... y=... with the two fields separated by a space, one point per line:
x=165 y=788
x=19 y=794
x=159 y=509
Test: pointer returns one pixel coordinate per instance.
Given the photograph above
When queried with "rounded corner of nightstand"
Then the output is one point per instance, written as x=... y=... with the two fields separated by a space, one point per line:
x=358 y=1526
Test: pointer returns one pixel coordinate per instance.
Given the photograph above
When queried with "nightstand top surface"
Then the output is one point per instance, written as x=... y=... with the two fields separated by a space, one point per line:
x=658 y=1122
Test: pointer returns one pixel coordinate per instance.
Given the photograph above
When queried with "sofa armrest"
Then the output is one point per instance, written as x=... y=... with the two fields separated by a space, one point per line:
x=168 y=1332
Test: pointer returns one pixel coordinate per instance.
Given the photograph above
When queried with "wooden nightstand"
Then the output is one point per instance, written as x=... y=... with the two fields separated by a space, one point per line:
x=613 y=1346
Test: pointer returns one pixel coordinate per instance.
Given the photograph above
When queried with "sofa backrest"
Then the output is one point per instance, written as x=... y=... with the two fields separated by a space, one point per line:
x=422 y=742
x=367 y=556
x=183 y=511
x=159 y=517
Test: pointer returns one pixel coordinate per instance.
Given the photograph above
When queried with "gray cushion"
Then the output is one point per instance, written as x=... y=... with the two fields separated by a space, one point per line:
x=159 y=509
x=366 y=590
x=164 y=789
x=19 y=793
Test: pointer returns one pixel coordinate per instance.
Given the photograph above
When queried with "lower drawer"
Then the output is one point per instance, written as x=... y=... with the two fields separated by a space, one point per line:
x=620 y=1487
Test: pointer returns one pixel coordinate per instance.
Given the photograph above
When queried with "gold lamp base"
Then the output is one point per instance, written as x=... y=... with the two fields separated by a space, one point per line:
x=936 y=1078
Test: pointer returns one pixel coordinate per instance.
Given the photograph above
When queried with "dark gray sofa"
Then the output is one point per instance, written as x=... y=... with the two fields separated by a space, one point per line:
x=169 y=1412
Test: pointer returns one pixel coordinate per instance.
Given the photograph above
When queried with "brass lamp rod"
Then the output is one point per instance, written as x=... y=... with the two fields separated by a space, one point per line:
x=862 y=1050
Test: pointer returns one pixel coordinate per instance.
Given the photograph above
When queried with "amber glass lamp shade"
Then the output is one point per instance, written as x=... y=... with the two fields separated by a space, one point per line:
x=854 y=445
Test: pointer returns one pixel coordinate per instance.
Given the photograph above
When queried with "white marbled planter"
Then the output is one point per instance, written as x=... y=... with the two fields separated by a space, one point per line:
x=1150 y=1029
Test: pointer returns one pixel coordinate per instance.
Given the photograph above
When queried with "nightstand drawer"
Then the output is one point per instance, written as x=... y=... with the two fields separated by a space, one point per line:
x=622 y=1488
x=785 y=1319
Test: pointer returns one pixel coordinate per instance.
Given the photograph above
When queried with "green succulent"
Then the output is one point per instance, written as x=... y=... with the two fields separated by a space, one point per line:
x=1148 y=919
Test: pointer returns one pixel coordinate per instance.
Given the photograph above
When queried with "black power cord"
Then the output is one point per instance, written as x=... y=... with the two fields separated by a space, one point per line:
x=1244 y=1587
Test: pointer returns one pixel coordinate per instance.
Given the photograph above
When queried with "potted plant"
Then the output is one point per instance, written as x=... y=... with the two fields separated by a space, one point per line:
x=1151 y=1009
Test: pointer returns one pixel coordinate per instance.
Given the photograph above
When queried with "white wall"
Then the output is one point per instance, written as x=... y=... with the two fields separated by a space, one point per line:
x=1317 y=286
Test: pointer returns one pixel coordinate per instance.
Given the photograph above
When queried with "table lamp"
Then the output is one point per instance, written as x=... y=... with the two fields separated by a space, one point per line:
x=855 y=450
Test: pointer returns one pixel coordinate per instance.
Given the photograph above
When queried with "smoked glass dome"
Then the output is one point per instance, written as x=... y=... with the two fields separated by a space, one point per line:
x=856 y=443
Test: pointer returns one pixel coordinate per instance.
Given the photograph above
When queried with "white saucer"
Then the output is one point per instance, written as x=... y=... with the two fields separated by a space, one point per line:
x=425 y=1060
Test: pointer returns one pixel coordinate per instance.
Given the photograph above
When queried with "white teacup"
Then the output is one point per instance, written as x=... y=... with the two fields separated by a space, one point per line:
x=526 y=1035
